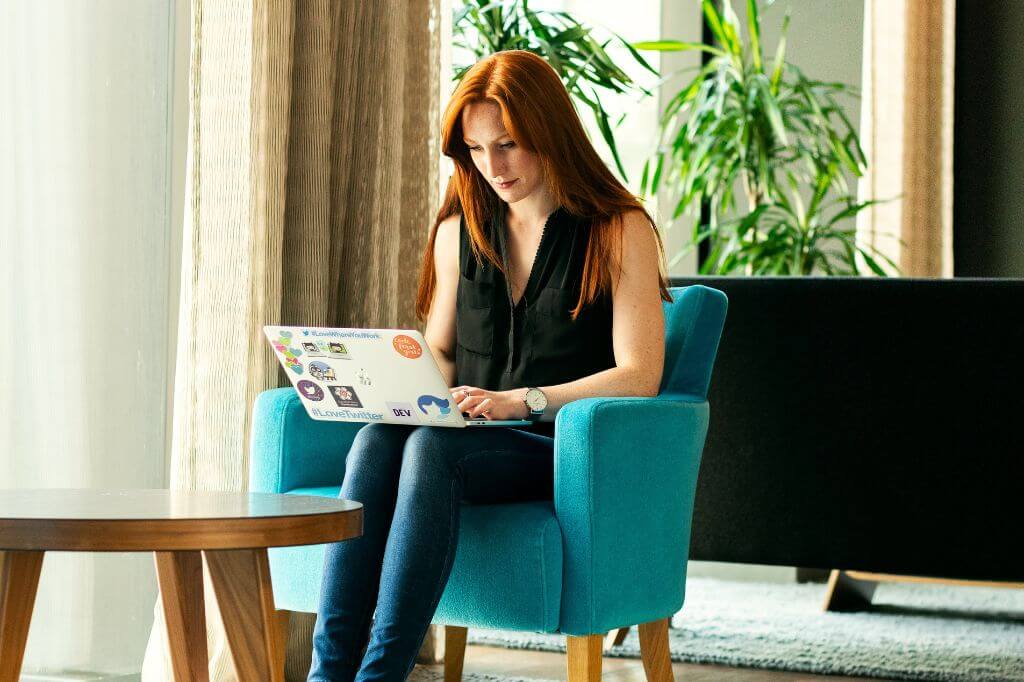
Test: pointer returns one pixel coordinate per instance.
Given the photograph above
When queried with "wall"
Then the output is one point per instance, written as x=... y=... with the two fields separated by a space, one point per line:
x=988 y=149
x=88 y=184
x=679 y=21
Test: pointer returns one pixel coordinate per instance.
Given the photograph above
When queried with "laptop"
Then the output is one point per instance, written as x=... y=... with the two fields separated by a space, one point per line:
x=368 y=375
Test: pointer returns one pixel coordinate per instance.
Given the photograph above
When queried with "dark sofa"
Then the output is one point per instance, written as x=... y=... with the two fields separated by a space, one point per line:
x=869 y=424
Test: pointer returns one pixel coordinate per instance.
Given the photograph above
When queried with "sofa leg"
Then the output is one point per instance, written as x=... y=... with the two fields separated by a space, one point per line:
x=654 y=651
x=584 y=657
x=846 y=593
x=454 y=652
x=283 y=620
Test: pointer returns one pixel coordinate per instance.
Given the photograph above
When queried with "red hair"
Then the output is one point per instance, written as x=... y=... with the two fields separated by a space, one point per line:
x=540 y=117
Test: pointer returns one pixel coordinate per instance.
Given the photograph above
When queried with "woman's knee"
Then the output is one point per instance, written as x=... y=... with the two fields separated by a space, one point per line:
x=375 y=448
x=430 y=453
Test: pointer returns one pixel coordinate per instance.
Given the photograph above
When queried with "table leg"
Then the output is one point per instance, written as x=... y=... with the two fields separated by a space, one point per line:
x=241 y=582
x=180 y=575
x=19 y=578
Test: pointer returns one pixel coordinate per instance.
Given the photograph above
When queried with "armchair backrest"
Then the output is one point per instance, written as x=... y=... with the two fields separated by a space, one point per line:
x=693 y=327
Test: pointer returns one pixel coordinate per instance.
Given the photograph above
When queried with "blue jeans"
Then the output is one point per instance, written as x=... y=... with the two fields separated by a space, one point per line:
x=412 y=482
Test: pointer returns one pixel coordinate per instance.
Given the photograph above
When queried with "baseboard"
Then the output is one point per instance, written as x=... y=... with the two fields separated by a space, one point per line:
x=79 y=676
x=741 y=572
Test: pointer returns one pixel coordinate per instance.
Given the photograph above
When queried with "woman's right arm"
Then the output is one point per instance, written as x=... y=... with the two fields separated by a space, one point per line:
x=440 y=330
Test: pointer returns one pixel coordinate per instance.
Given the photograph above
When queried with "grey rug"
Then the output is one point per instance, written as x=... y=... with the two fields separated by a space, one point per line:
x=420 y=674
x=915 y=632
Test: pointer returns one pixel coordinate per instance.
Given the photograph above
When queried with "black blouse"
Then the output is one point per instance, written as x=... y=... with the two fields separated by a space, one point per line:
x=535 y=343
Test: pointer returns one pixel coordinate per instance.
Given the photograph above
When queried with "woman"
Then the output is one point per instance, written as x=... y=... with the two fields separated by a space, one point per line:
x=541 y=284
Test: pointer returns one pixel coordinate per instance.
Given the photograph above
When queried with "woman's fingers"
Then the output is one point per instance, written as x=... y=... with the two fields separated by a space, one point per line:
x=481 y=407
x=468 y=403
x=473 y=402
x=460 y=393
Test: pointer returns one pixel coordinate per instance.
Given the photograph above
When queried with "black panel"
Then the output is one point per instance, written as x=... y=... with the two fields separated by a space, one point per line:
x=988 y=140
x=870 y=424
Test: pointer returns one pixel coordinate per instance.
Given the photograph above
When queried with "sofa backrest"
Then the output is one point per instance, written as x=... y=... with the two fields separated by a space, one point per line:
x=693 y=327
x=866 y=423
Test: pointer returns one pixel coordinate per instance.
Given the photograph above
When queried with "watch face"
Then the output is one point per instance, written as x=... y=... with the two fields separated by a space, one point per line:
x=536 y=400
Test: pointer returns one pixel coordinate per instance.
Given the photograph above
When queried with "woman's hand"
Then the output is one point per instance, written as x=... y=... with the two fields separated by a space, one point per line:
x=498 y=405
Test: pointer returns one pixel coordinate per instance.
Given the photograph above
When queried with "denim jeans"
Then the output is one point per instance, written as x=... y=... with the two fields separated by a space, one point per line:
x=412 y=482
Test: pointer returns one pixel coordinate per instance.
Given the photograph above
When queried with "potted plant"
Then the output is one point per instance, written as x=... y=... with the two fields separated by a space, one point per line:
x=759 y=125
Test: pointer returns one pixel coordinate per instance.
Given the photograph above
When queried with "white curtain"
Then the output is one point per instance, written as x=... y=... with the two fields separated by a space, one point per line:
x=89 y=259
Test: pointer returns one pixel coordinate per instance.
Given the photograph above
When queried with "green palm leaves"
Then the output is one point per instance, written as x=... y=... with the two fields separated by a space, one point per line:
x=761 y=126
x=483 y=27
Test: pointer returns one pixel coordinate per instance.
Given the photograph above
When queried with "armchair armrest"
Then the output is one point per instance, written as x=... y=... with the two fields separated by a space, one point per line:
x=625 y=479
x=290 y=450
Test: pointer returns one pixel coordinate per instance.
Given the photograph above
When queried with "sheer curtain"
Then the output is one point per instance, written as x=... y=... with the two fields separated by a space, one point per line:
x=311 y=183
x=907 y=133
x=89 y=256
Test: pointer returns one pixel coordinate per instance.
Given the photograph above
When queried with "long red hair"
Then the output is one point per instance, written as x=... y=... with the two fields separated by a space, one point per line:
x=540 y=117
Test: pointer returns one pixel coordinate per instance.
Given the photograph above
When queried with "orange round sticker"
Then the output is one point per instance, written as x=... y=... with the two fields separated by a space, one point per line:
x=407 y=346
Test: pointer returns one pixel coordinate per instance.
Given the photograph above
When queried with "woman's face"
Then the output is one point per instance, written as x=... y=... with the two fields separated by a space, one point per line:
x=512 y=171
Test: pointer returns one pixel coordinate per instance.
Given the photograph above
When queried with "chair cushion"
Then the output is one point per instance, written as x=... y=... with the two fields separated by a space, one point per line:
x=296 y=572
x=507 y=572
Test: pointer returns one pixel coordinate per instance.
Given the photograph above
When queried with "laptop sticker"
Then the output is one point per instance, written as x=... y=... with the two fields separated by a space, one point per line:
x=364 y=378
x=360 y=415
x=283 y=346
x=312 y=350
x=336 y=350
x=309 y=390
x=407 y=346
x=345 y=396
x=434 y=409
x=322 y=371
x=402 y=411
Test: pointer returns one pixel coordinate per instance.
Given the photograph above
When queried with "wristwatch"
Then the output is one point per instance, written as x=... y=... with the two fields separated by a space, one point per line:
x=536 y=403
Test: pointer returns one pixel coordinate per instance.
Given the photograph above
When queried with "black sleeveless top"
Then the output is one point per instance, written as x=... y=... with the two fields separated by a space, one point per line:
x=536 y=343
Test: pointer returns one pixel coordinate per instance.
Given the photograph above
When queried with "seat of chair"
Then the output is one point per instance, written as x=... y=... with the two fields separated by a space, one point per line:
x=507 y=572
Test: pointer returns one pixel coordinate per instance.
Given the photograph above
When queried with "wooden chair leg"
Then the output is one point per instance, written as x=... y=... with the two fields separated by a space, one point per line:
x=616 y=638
x=654 y=651
x=180 y=577
x=584 y=657
x=241 y=583
x=284 y=619
x=454 y=652
x=432 y=649
x=19 y=579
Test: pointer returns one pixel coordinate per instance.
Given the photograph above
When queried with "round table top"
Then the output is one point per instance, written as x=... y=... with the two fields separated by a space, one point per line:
x=169 y=520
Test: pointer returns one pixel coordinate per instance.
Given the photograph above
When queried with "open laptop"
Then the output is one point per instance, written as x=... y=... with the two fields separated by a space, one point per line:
x=368 y=375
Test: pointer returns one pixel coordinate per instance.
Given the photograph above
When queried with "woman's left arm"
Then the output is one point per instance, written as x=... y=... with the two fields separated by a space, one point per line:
x=638 y=326
x=638 y=337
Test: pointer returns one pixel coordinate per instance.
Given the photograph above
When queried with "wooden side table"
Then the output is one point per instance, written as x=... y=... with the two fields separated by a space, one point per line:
x=230 y=531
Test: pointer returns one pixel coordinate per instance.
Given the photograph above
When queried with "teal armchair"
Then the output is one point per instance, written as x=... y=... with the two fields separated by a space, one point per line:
x=608 y=552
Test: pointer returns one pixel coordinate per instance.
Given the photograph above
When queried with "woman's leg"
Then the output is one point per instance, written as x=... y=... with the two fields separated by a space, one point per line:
x=352 y=568
x=440 y=468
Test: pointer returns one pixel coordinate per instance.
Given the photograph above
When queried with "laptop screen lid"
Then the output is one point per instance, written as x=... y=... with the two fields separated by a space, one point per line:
x=367 y=375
